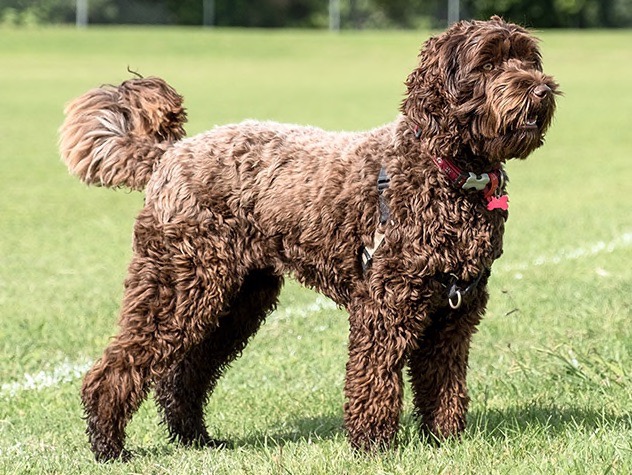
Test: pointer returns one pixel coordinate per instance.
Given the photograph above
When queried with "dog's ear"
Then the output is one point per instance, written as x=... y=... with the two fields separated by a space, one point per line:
x=433 y=86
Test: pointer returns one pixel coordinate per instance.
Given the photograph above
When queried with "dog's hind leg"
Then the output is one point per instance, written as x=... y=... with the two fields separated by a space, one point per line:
x=183 y=392
x=178 y=285
x=438 y=370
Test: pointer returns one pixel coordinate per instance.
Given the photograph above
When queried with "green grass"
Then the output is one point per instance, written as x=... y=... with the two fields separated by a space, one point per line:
x=550 y=377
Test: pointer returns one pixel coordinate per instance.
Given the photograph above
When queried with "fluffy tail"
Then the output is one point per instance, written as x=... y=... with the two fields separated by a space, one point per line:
x=112 y=136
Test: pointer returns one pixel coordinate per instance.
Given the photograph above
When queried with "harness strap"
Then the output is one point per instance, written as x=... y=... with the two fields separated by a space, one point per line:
x=383 y=182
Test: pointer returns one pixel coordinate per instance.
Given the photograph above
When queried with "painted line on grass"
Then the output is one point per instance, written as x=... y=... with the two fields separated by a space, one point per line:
x=69 y=371
x=319 y=304
x=599 y=247
x=65 y=372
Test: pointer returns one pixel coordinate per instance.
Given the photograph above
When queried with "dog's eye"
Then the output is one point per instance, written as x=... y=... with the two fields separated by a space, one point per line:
x=488 y=66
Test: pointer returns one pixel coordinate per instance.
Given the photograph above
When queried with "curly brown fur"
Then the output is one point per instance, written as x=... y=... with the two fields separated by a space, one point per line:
x=230 y=211
x=113 y=136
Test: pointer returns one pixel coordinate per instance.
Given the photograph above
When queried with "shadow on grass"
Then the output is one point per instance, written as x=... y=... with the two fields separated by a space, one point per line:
x=491 y=425
x=549 y=418
x=301 y=429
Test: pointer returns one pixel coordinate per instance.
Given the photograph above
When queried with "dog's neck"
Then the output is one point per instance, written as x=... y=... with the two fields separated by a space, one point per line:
x=469 y=173
x=490 y=184
x=464 y=159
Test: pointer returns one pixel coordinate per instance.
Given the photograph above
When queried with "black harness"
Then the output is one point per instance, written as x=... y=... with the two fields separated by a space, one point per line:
x=383 y=182
x=457 y=291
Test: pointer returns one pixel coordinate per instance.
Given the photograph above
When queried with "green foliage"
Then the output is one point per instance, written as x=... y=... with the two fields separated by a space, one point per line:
x=313 y=13
x=32 y=12
x=556 y=13
x=270 y=13
x=549 y=377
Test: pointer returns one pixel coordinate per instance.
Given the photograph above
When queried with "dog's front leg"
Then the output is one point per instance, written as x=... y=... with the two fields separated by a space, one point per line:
x=374 y=384
x=438 y=370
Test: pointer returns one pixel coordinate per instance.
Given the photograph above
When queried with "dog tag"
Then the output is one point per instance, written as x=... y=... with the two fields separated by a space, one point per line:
x=498 y=202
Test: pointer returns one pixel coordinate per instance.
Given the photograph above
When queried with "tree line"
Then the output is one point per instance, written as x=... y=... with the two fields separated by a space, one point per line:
x=354 y=14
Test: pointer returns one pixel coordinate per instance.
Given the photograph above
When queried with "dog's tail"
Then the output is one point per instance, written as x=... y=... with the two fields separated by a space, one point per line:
x=112 y=136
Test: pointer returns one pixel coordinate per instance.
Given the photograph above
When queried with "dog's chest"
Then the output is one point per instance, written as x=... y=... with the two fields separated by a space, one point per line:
x=443 y=231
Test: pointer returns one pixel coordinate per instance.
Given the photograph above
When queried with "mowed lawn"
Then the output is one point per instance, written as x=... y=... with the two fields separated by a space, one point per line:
x=551 y=366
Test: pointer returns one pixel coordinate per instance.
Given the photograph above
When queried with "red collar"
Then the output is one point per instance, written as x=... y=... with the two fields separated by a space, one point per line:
x=490 y=184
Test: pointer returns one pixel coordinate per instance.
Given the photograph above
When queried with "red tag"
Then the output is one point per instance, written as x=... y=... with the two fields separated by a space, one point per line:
x=498 y=202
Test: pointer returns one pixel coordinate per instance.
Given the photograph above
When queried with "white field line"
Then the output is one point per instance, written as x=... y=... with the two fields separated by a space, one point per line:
x=65 y=372
x=600 y=247
x=303 y=311
x=69 y=371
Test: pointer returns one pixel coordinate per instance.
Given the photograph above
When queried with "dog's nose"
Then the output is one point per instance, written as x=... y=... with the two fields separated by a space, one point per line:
x=541 y=91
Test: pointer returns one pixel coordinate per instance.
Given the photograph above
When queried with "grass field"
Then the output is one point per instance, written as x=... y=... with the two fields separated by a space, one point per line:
x=551 y=367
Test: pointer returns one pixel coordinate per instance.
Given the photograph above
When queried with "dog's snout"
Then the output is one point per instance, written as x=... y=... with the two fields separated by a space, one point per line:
x=542 y=91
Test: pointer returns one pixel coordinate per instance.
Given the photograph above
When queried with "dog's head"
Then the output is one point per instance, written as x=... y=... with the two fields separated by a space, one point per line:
x=480 y=90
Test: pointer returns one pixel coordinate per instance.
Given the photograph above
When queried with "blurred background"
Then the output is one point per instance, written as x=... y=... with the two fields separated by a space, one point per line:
x=333 y=14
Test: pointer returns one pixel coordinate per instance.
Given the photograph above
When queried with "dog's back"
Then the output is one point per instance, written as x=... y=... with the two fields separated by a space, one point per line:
x=292 y=187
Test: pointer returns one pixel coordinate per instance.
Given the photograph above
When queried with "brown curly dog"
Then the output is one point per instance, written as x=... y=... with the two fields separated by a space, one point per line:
x=399 y=225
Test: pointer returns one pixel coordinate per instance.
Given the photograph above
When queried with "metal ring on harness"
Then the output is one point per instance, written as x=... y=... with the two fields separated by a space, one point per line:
x=459 y=300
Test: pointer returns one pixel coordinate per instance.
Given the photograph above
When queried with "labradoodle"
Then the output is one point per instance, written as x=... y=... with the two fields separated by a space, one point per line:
x=399 y=225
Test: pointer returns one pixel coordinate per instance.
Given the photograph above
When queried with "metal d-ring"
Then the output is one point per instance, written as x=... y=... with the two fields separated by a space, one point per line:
x=459 y=299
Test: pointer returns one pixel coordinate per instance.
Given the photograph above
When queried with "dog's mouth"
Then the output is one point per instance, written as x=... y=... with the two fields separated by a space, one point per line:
x=532 y=123
x=521 y=137
x=534 y=120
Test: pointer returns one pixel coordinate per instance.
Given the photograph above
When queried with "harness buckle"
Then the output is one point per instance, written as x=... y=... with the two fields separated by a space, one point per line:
x=367 y=252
